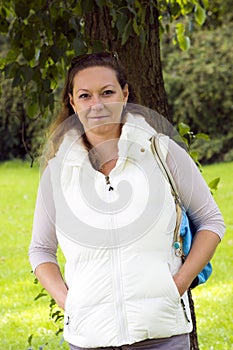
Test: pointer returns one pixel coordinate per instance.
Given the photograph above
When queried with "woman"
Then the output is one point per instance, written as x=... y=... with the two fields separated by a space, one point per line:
x=103 y=198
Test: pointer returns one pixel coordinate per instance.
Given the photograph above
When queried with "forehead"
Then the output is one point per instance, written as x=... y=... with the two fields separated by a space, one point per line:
x=93 y=76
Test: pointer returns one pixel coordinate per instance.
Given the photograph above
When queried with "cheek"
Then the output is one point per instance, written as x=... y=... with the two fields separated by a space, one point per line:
x=82 y=112
x=116 y=108
x=81 y=106
x=82 y=115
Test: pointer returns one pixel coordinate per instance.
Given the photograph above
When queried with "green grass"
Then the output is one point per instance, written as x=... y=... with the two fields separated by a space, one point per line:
x=22 y=316
x=214 y=300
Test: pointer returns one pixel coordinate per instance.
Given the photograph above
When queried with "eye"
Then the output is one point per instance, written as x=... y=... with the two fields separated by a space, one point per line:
x=108 y=92
x=84 y=96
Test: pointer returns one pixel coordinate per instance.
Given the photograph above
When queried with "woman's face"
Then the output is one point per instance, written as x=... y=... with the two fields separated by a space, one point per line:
x=98 y=99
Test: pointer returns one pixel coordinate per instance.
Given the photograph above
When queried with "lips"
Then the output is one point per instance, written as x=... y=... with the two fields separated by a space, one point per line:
x=98 y=117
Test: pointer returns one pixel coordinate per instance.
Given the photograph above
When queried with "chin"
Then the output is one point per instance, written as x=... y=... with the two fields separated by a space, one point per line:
x=107 y=129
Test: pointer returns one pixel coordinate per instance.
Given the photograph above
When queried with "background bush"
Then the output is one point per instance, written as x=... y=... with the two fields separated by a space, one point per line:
x=20 y=135
x=199 y=85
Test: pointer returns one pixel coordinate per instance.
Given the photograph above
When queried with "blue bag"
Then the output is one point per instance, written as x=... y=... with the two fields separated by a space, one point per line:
x=187 y=232
x=184 y=231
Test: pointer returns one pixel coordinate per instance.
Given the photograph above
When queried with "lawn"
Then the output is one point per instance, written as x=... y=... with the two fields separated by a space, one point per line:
x=214 y=300
x=22 y=316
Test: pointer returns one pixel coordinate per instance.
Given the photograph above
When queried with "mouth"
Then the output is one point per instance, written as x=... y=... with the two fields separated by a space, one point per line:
x=98 y=117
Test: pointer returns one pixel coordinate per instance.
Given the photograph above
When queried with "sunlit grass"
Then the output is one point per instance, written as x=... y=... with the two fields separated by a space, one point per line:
x=214 y=300
x=22 y=316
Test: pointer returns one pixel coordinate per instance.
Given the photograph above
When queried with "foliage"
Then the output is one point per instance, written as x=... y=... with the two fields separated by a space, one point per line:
x=199 y=85
x=219 y=13
x=39 y=38
x=20 y=136
x=44 y=36
x=189 y=138
x=190 y=12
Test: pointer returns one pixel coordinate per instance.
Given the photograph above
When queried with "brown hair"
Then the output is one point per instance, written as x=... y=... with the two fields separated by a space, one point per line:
x=78 y=63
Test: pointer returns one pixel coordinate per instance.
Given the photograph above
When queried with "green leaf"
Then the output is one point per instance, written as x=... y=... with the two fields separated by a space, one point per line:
x=205 y=3
x=142 y=38
x=79 y=47
x=36 y=74
x=194 y=155
x=200 y=14
x=121 y=22
x=32 y=110
x=2 y=63
x=56 y=53
x=213 y=185
x=12 y=55
x=21 y=9
x=29 y=52
x=27 y=73
x=202 y=136
x=183 y=129
x=4 y=25
x=183 y=40
x=43 y=55
x=126 y=33
x=136 y=26
x=46 y=85
x=11 y=69
x=17 y=79
x=174 y=9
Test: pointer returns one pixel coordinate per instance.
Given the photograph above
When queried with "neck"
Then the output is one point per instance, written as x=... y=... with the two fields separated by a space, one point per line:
x=103 y=149
x=95 y=138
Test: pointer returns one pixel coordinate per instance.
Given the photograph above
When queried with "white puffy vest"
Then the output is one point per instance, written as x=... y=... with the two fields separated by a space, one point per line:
x=116 y=234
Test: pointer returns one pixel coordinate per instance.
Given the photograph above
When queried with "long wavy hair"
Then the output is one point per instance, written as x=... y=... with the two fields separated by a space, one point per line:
x=57 y=131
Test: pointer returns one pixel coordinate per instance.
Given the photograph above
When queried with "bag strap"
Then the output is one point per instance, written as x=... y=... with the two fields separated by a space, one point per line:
x=156 y=149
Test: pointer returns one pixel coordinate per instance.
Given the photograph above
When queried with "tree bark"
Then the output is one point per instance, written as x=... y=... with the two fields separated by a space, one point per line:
x=144 y=71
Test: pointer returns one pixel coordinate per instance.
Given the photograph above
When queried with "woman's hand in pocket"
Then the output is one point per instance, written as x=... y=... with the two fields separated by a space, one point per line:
x=181 y=284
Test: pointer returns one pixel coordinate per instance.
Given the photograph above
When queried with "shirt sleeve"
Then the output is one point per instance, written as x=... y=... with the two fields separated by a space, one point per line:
x=194 y=192
x=43 y=246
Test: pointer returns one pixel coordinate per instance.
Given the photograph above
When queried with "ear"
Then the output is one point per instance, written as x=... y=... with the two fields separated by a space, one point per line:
x=72 y=102
x=126 y=92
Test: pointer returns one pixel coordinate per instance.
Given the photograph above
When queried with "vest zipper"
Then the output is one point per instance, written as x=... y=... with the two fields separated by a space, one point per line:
x=108 y=183
x=118 y=294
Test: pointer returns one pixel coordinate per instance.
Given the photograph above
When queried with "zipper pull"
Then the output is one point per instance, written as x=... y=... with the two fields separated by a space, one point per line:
x=108 y=183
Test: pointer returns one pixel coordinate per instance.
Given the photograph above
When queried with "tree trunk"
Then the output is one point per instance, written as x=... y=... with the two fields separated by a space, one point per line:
x=144 y=71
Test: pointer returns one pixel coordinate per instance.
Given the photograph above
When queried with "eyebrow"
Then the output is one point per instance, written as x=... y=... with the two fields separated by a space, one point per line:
x=104 y=87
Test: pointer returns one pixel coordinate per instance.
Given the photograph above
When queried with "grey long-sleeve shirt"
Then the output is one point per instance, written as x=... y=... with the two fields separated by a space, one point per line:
x=193 y=190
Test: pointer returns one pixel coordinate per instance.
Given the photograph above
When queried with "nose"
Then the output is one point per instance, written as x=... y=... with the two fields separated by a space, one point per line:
x=96 y=105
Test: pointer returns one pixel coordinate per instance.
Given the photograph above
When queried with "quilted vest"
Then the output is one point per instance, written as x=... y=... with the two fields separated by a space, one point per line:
x=116 y=233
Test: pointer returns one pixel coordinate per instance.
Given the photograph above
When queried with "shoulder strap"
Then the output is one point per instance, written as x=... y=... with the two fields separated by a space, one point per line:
x=156 y=149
